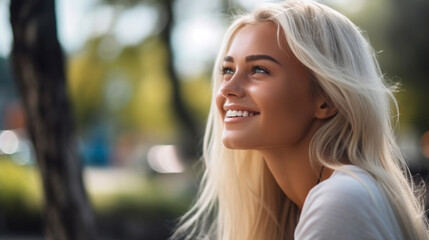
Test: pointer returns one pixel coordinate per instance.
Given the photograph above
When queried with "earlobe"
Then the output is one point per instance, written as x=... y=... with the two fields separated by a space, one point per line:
x=325 y=110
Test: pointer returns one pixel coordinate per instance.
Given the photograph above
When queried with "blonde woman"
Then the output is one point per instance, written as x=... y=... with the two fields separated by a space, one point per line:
x=299 y=142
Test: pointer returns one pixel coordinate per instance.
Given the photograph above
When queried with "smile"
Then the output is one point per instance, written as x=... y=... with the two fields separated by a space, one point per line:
x=239 y=113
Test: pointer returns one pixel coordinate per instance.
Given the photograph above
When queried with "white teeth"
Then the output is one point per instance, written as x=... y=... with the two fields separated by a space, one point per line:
x=239 y=113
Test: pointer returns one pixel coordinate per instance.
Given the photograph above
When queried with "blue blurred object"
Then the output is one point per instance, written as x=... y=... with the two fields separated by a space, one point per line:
x=94 y=147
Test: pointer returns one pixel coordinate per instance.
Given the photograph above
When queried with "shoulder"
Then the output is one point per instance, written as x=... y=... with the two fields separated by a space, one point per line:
x=344 y=193
x=354 y=185
x=348 y=205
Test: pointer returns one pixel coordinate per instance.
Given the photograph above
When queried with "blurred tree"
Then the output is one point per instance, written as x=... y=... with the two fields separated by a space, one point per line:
x=409 y=37
x=38 y=66
x=231 y=8
x=191 y=132
x=7 y=90
x=189 y=128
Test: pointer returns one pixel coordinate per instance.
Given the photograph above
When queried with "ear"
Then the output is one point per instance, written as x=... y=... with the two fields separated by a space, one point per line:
x=325 y=108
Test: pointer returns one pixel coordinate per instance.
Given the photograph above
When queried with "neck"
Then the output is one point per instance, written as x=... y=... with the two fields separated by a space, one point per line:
x=293 y=173
x=292 y=170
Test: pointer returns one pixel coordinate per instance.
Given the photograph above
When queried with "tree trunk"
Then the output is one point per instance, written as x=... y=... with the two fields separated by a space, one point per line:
x=38 y=66
x=189 y=128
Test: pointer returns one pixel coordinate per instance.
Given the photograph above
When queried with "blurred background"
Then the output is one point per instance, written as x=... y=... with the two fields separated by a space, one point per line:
x=140 y=90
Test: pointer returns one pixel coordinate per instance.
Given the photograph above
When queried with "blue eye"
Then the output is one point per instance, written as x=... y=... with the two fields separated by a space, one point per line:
x=227 y=70
x=259 y=69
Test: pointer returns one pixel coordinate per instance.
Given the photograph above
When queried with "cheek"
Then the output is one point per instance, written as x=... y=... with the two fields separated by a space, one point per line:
x=287 y=116
x=220 y=101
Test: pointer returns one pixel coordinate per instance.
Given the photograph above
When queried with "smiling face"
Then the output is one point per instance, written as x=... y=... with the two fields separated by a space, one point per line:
x=265 y=97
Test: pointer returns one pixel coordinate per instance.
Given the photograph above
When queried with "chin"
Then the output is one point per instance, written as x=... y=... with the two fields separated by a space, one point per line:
x=228 y=144
x=235 y=144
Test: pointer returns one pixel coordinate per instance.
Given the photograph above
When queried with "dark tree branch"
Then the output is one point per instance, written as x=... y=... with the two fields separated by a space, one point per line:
x=38 y=66
x=190 y=129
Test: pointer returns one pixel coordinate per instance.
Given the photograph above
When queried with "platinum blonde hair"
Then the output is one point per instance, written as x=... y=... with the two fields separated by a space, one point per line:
x=239 y=198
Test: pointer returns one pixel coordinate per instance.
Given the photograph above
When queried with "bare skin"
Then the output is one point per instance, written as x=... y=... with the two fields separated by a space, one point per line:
x=276 y=112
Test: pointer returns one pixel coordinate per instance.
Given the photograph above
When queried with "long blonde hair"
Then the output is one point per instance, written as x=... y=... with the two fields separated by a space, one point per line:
x=239 y=198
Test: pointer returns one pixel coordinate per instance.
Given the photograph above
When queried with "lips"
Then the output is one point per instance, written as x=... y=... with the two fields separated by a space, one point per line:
x=235 y=112
x=239 y=113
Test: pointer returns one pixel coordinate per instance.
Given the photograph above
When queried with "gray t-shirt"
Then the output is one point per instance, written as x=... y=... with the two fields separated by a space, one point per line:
x=342 y=207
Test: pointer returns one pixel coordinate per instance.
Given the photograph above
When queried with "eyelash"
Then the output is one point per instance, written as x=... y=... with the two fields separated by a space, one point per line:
x=224 y=70
x=255 y=68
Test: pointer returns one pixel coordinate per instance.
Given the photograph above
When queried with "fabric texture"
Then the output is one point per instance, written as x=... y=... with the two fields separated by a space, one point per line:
x=349 y=206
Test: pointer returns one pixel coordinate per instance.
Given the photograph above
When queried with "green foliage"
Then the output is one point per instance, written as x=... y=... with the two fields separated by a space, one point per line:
x=408 y=106
x=141 y=70
x=85 y=77
x=20 y=188
x=197 y=95
x=21 y=193
x=143 y=196
x=150 y=110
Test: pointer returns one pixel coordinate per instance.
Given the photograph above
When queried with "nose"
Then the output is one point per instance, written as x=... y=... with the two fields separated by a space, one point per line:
x=232 y=88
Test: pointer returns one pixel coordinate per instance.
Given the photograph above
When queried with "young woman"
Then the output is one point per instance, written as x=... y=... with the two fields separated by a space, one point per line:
x=299 y=142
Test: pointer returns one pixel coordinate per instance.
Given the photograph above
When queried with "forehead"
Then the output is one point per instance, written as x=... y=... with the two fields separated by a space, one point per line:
x=257 y=39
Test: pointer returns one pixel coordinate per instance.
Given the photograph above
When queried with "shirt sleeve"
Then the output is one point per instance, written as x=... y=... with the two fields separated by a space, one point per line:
x=343 y=209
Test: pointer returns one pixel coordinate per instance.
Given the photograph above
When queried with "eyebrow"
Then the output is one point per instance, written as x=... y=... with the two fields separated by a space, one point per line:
x=253 y=58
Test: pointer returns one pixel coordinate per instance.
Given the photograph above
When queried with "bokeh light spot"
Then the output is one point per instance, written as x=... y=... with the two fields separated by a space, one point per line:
x=164 y=159
x=8 y=142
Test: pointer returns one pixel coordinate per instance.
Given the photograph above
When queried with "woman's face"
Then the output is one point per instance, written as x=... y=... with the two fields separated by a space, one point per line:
x=265 y=98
